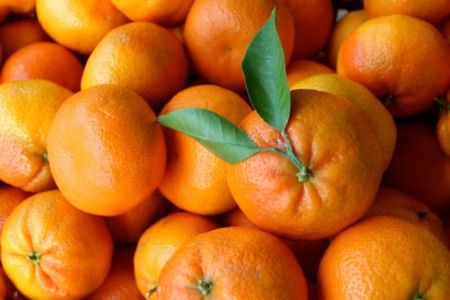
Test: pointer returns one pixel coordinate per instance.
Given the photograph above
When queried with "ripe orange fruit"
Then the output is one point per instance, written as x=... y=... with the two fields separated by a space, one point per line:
x=17 y=34
x=385 y=257
x=419 y=166
x=19 y=6
x=344 y=160
x=379 y=117
x=44 y=60
x=227 y=27
x=401 y=59
x=51 y=250
x=167 y=13
x=443 y=127
x=128 y=228
x=27 y=109
x=301 y=69
x=343 y=28
x=159 y=242
x=235 y=263
x=120 y=283
x=313 y=20
x=9 y=198
x=308 y=253
x=432 y=11
x=100 y=172
x=199 y=187
x=144 y=57
x=392 y=202
x=78 y=24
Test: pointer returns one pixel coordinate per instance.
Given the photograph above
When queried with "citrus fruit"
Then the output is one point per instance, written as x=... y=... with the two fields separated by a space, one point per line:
x=403 y=60
x=10 y=197
x=44 y=60
x=195 y=180
x=301 y=69
x=51 y=250
x=27 y=109
x=159 y=242
x=218 y=33
x=340 y=150
x=251 y=265
x=106 y=151
x=19 y=6
x=385 y=257
x=141 y=56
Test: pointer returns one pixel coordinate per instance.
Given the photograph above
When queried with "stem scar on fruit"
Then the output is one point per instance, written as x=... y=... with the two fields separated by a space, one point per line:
x=267 y=87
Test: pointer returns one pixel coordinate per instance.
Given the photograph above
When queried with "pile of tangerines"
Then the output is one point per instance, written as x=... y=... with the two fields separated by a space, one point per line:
x=225 y=149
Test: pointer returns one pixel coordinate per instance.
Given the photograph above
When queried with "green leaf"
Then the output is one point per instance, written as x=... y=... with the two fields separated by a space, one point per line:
x=265 y=76
x=213 y=131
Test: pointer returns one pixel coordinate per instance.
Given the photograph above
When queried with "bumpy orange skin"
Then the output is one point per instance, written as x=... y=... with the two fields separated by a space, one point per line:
x=343 y=28
x=195 y=179
x=344 y=158
x=19 y=6
x=141 y=56
x=419 y=166
x=9 y=198
x=120 y=283
x=251 y=265
x=227 y=27
x=78 y=24
x=128 y=228
x=392 y=202
x=159 y=242
x=301 y=69
x=27 y=109
x=385 y=257
x=44 y=60
x=106 y=151
x=432 y=11
x=379 y=117
x=405 y=61
x=74 y=248
x=167 y=13
x=308 y=253
x=443 y=129
x=17 y=34
x=312 y=20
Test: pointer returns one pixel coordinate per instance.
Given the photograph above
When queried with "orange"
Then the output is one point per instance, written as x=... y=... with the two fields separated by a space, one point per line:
x=313 y=20
x=301 y=69
x=218 y=33
x=419 y=166
x=127 y=228
x=378 y=115
x=44 y=60
x=167 y=13
x=395 y=203
x=27 y=109
x=403 y=60
x=141 y=56
x=120 y=283
x=9 y=198
x=343 y=28
x=159 y=242
x=432 y=11
x=344 y=162
x=443 y=126
x=51 y=250
x=4 y=12
x=445 y=28
x=19 y=6
x=233 y=263
x=308 y=253
x=195 y=179
x=17 y=34
x=106 y=151
x=7 y=290
x=78 y=24
x=385 y=257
